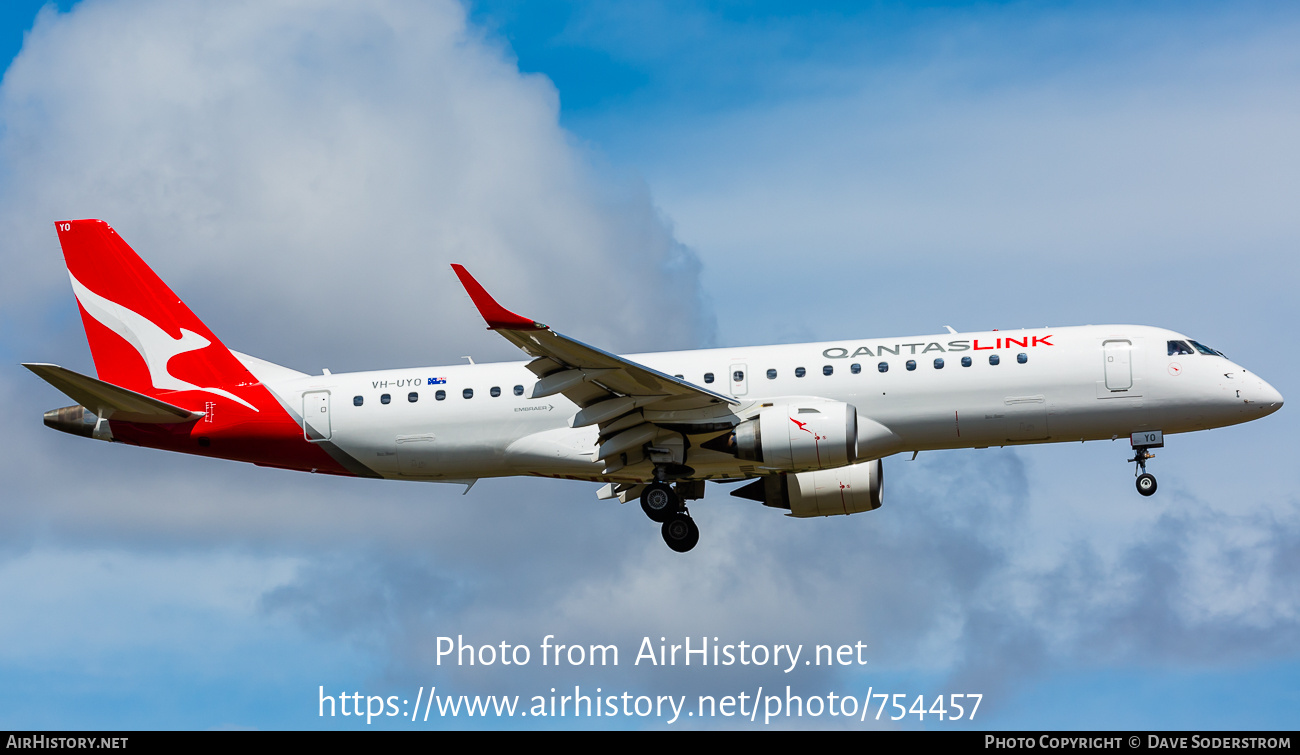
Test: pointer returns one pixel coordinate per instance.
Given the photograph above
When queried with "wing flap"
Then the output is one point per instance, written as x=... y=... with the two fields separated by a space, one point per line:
x=562 y=380
x=111 y=401
x=610 y=410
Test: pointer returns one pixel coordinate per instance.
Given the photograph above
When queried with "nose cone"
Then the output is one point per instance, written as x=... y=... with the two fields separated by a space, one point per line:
x=1269 y=400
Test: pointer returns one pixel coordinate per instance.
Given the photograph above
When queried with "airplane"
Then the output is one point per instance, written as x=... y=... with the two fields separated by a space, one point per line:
x=807 y=425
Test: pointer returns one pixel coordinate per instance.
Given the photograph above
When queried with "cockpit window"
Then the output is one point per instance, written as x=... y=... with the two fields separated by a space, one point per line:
x=1179 y=347
x=1207 y=350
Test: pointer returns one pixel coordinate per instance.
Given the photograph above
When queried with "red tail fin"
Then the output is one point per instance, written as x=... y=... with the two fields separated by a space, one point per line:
x=142 y=336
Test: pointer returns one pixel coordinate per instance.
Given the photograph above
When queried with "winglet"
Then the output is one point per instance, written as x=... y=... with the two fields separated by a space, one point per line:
x=497 y=316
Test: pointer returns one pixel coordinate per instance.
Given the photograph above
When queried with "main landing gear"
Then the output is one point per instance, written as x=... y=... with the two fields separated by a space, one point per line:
x=680 y=532
x=662 y=504
x=659 y=501
x=1142 y=445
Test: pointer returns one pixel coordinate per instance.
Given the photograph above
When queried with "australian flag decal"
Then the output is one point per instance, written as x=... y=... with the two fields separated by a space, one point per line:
x=437 y=381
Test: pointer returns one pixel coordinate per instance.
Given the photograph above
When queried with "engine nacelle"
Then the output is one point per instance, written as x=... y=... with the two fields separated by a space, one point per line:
x=807 y=434
x=824 y=492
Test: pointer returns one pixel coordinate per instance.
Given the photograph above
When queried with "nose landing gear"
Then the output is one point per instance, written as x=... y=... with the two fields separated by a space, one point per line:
x=1146 y=483
x=1142 y=444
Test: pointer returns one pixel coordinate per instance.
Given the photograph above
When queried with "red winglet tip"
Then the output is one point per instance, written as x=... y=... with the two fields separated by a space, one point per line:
x=496 y=315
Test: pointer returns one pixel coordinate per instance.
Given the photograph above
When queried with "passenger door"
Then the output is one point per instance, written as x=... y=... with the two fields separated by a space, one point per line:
x=1119 y=364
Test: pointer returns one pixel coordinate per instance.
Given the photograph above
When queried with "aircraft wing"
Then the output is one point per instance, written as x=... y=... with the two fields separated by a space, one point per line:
x=111 y=401
x=610 y=390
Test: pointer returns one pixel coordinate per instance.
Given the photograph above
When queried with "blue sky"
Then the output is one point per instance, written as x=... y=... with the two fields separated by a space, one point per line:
x=657 y=176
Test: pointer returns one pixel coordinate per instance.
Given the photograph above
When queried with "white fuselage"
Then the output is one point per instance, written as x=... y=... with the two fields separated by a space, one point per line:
x=1049 y=385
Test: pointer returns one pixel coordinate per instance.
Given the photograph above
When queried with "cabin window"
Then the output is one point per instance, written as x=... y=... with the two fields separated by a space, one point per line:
x=738 y=376
x=680 y=377
x=384 y=399
x=412 y=397
x=358 y=401
x=938 y=364
x=994 y=359
x=800 y=372
x=519 y=390
x=440 y=395
x=828 y=370
x=708 y=377
x=771 y=374
x=911 y=365
x=855 y=368
x=468 y=393
x=1178 y=348
x=496 y=391
x=883 y=366
x=965 y=361
x=1022 y=357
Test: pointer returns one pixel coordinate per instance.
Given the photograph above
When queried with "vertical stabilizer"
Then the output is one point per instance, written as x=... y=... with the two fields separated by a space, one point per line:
x=141 y=335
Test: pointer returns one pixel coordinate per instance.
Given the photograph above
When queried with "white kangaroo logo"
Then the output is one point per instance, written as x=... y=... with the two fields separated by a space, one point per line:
x=156 y=347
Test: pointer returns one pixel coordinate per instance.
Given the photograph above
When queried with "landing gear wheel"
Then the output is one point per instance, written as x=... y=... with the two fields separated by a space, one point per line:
x=659 y=501
x=680 y=532
x=1146 y=483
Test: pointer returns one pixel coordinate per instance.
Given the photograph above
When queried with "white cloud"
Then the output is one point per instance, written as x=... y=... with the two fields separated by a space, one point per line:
x=302 y=173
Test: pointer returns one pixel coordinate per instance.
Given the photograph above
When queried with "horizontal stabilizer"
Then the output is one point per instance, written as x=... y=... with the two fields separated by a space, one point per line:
x=110 y=401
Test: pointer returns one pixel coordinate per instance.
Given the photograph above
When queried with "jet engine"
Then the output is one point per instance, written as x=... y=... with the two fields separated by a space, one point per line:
x=808 y=434
x=824 y=492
